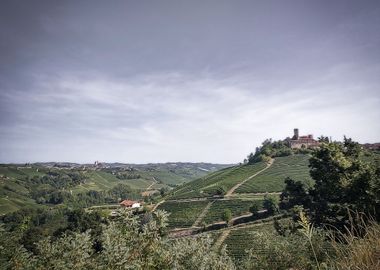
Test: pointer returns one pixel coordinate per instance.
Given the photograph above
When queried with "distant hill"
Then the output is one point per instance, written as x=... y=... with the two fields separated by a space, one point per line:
x=44 y=184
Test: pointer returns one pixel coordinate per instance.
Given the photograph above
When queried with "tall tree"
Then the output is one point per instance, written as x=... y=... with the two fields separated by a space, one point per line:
x=343 y=179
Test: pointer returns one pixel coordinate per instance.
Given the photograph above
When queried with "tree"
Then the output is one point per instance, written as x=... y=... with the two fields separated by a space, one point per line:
x=221 y=190
x=343 y=179
x=271 y=204
x=227 y=215
x=323 y=139
x=254 y=209
x=269 y=149
x=294 y=193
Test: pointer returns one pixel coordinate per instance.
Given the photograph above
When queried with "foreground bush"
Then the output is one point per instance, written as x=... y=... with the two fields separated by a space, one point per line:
x=126 y=244
x=353 y=252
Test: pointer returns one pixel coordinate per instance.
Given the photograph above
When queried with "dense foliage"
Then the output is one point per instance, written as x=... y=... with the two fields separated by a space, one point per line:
x=127 y=243
x=270 y=149
x=346 y=178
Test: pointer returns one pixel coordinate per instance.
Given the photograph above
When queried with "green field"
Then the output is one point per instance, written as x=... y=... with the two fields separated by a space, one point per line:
x=100 y=180
x=237 y=207
x=272 y=179
x=226 y=178
x=183 y=214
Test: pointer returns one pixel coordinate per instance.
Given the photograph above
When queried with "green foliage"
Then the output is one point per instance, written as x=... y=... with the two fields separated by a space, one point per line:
x=352 y=252
x=271 y=204
x=254 y=209
x=343 y=179
x=126 y=245
x=294 y=193
x=124 y=176
x=227 y=215
x=271 y=251
x=31 y=225
x=270 y=149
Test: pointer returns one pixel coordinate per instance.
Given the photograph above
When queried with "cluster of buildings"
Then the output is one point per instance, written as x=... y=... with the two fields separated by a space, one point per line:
x=306 y=141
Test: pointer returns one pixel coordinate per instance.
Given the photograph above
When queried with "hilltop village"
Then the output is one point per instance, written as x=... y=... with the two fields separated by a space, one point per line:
x=298 y=141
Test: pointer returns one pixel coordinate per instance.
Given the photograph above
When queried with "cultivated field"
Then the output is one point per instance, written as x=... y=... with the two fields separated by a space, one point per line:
x=272 y=179
x=210 y=184
x=183 y=214
x=237 y=207
x=242 y=239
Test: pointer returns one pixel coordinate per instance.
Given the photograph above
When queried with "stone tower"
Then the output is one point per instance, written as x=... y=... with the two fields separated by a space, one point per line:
x=296 y=134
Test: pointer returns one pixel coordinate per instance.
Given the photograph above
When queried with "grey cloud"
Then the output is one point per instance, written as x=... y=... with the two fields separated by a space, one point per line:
x=209 y=78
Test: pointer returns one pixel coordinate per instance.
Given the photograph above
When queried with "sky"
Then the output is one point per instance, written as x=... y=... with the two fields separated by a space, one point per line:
x=191 y=81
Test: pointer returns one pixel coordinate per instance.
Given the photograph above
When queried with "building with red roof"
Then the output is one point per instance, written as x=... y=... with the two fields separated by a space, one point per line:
x=130 y=204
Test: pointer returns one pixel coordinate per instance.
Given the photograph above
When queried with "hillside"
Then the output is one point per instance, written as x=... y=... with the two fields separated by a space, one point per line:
x=201 y=204
x=204 y=201
x=236 y=213
x=47 y=184
x=270 y=180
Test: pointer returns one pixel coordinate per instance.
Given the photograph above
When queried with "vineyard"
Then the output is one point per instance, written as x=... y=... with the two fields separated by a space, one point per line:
x=242 y=239
x=182 y=214
x=237 y=207
x=272 y=179
x=224 y=179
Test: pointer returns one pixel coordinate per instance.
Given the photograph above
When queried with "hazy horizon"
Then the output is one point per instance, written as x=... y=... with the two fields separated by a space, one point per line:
x=191 y=81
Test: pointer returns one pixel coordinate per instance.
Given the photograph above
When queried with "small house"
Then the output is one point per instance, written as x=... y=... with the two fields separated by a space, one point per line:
x=130 y=204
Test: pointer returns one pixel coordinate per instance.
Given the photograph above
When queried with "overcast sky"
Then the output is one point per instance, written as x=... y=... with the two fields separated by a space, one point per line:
x=156 y=81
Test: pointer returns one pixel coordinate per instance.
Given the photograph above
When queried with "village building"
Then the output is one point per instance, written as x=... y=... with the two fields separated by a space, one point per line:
x=130 y=204
x=371 y=146
x=302 y=141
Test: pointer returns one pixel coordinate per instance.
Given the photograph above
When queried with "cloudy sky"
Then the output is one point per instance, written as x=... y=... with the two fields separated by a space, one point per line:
x=157 y=81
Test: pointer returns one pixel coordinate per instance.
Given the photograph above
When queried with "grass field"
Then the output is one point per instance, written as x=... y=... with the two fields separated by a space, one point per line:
x=183 y=214
x=226 y=178
x=237 y=207
x=272 y=179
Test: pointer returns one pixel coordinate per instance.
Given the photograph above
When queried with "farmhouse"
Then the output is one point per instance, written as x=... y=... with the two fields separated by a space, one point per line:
x=130 y=204
x=302 y=141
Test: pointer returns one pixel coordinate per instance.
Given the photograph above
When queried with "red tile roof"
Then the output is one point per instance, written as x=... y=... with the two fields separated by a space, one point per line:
x=127 y=203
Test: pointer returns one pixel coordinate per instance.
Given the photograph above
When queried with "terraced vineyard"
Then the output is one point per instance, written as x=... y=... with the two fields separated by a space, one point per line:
x=209 y=185
x=237 y=207
x=242 y=239
x=183 y=214
x=272 y=179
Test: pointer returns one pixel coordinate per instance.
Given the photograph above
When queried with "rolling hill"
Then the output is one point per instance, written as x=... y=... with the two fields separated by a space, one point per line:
x=203 y=202
x=20 y=184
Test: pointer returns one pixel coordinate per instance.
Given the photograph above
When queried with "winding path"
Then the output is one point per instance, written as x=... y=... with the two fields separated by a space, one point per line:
x=157 y=204
x=232 y=190
x=151 y=185
x=221 y=239
x=203 y=214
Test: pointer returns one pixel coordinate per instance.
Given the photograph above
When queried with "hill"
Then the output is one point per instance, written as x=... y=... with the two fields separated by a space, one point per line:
x=47 y=184
x=202 y=203
x=270 y=180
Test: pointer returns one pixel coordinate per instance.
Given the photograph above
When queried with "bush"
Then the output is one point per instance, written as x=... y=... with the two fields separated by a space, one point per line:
x=271 y=204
